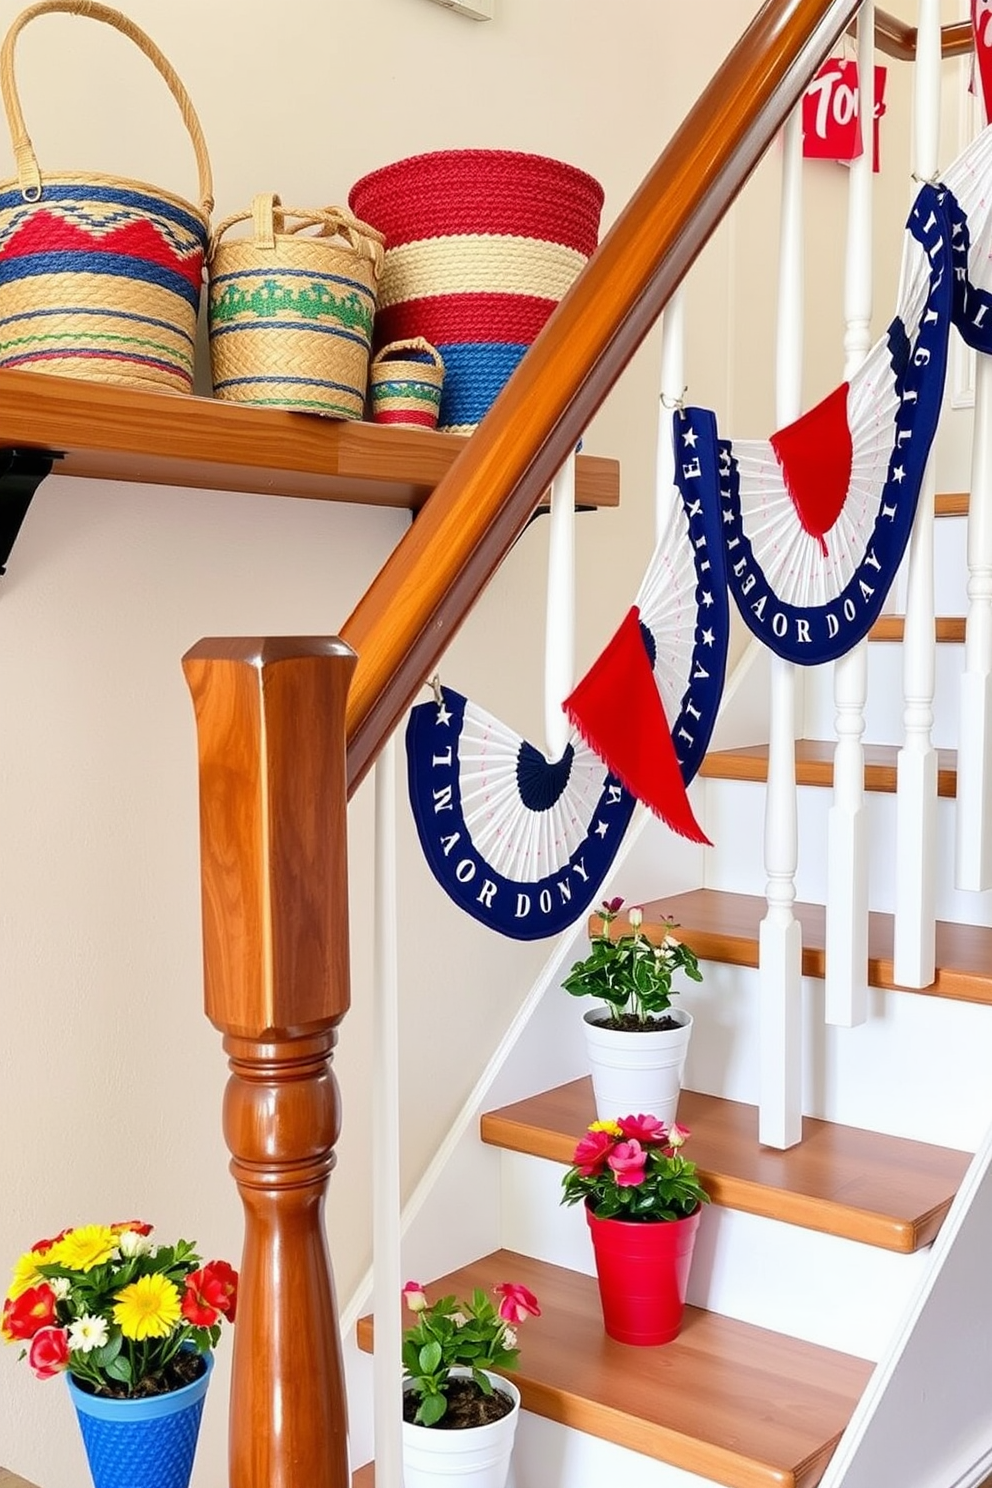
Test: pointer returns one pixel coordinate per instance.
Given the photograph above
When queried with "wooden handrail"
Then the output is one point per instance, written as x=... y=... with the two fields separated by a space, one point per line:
x=897 y=38
x=416 y=603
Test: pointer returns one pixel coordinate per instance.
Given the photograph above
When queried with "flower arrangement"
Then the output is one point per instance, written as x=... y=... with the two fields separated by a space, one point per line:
x=630 y=972
x=124 y=1316
x=633 y=1169
x=449 y=1334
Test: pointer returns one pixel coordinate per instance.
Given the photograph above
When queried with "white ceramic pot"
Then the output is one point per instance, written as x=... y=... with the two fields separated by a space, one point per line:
x=637 y=1074
x=477 y=1457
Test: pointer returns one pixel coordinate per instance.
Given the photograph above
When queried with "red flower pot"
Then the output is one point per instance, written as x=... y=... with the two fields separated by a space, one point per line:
x=643 y=1271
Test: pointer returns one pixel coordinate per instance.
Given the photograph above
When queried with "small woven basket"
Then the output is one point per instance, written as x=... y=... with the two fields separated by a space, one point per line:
x=100 y=277
x=290 y=313
x=480 y=247
x=405 y=384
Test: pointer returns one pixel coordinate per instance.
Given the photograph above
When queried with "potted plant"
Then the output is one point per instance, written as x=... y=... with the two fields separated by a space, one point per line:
x=643 y=1200
x=459 y=1412
x=132 y=1324
x=637 y=1044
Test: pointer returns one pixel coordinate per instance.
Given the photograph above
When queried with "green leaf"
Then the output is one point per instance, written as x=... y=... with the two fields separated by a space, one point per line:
x=432 y=1408
x=119 y=1369
x=101 y=1357
x=430 y=1357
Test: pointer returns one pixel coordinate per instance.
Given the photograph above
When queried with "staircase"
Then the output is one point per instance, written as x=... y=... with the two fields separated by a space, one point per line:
x=808 y=1259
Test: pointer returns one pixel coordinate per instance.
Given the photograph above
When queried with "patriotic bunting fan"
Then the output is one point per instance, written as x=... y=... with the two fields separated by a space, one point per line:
x=520 y=842
x=649 y=702
x=816 y=519
x=968 y=202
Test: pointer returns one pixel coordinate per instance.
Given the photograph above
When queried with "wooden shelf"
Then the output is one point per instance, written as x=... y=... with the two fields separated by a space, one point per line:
x=724 y=927
x=736 y=1404
x=815 y=765
x=112 y=433
x=860 y=1185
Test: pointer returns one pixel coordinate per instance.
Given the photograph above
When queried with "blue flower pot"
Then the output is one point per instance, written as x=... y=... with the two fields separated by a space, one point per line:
x=146 y=1443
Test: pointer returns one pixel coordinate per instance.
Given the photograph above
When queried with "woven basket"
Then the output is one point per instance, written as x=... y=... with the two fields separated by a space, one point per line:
x=480 y=247
x=405 y=384
x=100 y=277
x=291 y=314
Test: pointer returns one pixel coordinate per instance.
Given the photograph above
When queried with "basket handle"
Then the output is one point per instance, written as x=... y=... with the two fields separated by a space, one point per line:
x=268 y=217
x=28 y=173
x=415 y=343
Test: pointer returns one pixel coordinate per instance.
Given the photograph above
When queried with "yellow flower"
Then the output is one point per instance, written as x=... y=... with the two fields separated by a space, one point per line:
x=26 y=1273
x=606 y=1126
x=84 y=1248
x=148 y=1308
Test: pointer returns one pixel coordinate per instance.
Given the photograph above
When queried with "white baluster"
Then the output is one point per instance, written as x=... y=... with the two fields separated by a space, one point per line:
x=387 y=1361
x=974 y=804
x=916 y=807
x=780 y=938
x=559 y=652
x=672 y=389
x=846 y=997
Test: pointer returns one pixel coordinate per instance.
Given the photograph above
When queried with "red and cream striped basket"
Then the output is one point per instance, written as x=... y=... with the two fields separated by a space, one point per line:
x=480 y=247
x=100 y=277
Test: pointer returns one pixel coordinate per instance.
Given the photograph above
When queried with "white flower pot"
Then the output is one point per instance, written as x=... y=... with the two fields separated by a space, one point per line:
x=637 y=1074
x=476 y=1457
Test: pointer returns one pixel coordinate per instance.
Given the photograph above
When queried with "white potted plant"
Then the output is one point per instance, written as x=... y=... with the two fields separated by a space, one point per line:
x=637 y=1043
x=459 y=1411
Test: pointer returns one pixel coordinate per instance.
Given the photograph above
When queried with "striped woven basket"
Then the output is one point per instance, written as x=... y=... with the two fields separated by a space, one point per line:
x=405 y=384
x=100 y=277
x=290 y=312
x=480 y=247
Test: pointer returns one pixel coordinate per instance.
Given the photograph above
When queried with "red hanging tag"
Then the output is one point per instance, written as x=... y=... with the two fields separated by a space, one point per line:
x=831 y=120
x=981 y=25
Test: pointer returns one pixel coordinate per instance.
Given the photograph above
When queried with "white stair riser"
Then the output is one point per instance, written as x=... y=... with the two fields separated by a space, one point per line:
x=885 y=706
x=950 y=552
x=744 y=1266
x=548 y=1455
x=917 y=1068
x=734 y=820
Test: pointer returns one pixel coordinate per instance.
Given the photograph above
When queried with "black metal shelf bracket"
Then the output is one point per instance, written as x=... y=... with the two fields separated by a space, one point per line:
x=21 y=473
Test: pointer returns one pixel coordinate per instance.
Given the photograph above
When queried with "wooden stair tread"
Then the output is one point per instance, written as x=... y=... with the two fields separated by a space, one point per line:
x=113 y=433
x=951 y=504
x=364 y=1477
x=815 y=765
x=860 y=1185
x=11 y=1480
x=740 y=1405
x=724 y=927
x=949 y=629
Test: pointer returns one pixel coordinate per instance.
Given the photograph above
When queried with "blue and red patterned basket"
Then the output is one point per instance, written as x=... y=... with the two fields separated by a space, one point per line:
x=480 y=247
x=99 y=277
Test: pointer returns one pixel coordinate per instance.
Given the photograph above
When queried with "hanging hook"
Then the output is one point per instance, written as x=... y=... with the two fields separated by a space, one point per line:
x=435 y=685
x=673 y=403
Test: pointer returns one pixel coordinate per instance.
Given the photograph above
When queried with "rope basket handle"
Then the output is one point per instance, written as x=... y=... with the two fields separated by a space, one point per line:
x=26 y=162
x=415 y=343
x=268 y=217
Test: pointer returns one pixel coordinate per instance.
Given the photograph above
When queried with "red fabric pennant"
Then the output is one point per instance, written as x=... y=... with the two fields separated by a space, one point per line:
x=816 y=455
x=981 y=24
x=617 y=710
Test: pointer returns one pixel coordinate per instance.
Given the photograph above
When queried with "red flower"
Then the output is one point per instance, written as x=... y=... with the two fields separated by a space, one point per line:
x=627 y=1161
x=209 y=1292
x=592 y=1152
x=643 y=1129
x=24 y=1315
x=137 y=1225
x=42 y=1247
x=49 y=1352
x=517 y=1302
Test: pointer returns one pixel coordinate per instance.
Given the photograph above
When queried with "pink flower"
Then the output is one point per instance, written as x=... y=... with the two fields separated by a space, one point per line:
x=49 y=1352
x=627 y=1161
x=592 y=1152
x=677 y=1135
x=643 y=1129
x=414 y=1296
x=517 y=1302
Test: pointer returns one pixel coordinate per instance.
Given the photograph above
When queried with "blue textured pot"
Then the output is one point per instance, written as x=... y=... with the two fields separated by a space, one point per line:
x=142 y=1443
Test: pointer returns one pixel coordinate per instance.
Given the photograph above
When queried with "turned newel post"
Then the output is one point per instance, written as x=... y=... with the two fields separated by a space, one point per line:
x=271 y=733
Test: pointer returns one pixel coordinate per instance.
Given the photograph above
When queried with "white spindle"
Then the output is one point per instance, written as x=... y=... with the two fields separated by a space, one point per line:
x=387 y=1362
x=916 y=807
x=672 y=389
x=974 y=804
x=780 y=940
x=559 y=664
x=846 y=998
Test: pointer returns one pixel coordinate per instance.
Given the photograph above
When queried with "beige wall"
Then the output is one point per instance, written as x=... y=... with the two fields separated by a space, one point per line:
x=110 y=1078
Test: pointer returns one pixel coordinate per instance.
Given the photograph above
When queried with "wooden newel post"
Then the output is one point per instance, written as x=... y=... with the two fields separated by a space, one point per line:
x=270 y=725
